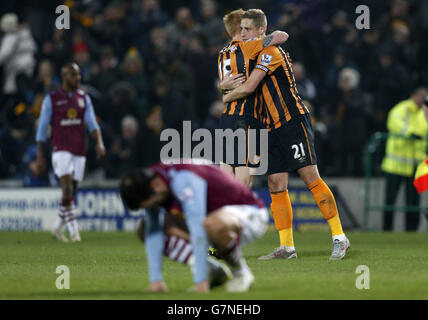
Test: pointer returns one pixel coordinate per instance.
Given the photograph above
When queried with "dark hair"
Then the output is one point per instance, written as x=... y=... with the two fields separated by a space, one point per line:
x=135 y=187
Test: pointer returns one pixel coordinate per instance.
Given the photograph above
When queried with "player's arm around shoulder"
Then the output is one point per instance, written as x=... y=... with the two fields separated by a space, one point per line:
x=275 y=38
x=247 y=88
x=252 y=48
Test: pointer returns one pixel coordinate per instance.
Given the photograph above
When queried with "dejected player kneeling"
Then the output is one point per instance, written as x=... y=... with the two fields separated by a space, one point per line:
x=216 y=207
x=177 y=247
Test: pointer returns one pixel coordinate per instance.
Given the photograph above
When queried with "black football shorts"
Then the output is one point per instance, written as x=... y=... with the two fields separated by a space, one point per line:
x=251 y=147
x=291 y=146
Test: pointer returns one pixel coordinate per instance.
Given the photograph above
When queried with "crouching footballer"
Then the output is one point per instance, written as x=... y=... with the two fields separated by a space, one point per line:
x=217 y=209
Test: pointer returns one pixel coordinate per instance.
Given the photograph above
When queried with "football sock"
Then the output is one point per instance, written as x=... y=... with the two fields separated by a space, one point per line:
x=72 y=226
x=70 y=217
x=60 y=221
x=178 y=249
x=282 y=213
x=327 y=204
x=233 y=256
x=286 y=238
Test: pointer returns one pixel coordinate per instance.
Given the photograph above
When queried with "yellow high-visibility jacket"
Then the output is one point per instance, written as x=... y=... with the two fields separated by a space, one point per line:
x=404 y=153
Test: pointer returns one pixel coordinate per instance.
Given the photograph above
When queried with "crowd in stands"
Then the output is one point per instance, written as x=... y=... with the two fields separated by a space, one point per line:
x=150 y=64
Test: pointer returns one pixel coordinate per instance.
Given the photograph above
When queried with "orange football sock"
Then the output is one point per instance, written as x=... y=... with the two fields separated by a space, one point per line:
x=282 y=213
x=327 y=204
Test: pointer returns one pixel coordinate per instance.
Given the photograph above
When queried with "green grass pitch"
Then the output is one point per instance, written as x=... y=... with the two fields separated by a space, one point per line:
x=113 y=266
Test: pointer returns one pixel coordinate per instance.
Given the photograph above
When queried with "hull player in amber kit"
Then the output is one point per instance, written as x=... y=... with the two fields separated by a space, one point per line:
x=291 y=140
x=235 y=63
x=67 y=110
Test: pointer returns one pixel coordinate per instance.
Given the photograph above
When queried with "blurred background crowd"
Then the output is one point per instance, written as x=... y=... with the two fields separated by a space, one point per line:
x=150 y=64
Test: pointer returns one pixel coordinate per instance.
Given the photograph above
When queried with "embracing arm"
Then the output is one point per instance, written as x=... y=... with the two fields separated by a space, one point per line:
x=275 y=38
x=247 y=88
x=234 y=81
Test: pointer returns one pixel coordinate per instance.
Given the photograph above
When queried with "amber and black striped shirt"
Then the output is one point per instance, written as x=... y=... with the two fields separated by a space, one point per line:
x=240 y=57
x=281 y=100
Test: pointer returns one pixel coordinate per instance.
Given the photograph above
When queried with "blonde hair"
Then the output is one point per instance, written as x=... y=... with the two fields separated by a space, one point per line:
x=258 y=17
x=232 y=22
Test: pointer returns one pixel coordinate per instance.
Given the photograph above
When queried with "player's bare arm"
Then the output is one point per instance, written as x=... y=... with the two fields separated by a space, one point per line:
x=99 y=146
x=40 y=160
x=247 y=88
x=275 y=38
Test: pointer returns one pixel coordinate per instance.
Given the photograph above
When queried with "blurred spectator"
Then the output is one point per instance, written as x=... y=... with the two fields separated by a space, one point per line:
x=113 y=28
x=179 y=30
x=106 y=73
x=341 y=33
x=46 y=82
x=125 y=150
x=14 y=142
x=402 y=49
x=150 y=145
x=339 y=61
x=158 y=53
x=351 y=123
x=58 y=48
x=171 y=102
x=31 y=176
x=305 y=86
x=388 y=83
x=212 y=28
x=121 y=102
x=398 y=14
x=212 y=121
x=17 y=50
x=147 y=17
x=82 y=57
x=132 y=70
x=203 y=75
x=98 y=169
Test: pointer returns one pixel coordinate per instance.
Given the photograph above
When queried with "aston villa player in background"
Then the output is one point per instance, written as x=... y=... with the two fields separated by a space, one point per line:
x=67 y=110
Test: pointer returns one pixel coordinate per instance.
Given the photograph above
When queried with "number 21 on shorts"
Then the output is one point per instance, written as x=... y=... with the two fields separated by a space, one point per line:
x=298 y=149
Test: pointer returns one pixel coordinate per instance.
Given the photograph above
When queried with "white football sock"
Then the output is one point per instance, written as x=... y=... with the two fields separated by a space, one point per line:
x=340 y=237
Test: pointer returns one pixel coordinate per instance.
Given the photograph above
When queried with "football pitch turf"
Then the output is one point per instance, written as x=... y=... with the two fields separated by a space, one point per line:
x=113 y=266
